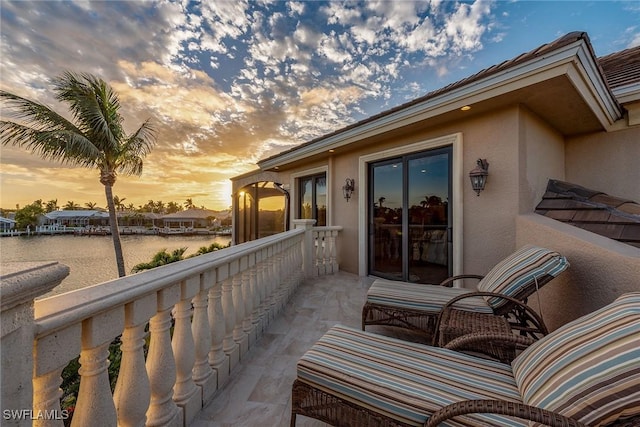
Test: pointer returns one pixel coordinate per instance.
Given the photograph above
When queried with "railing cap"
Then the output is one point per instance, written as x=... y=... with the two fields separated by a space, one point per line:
x=22 y=282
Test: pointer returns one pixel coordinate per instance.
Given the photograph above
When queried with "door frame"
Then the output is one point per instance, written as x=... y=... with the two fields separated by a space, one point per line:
x=457 y=180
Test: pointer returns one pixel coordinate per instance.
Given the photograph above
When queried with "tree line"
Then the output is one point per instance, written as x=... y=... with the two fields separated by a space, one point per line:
x=28 y=215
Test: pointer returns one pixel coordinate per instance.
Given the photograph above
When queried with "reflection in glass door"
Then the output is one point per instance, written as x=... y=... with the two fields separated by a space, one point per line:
x=410 y=217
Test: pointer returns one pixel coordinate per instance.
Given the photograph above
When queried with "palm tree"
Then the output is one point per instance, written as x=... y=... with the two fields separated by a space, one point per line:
x=70 y=206
x=94 y=139
x=52 y=205
x=188 y=204
x=119 y=203
x=90 y=205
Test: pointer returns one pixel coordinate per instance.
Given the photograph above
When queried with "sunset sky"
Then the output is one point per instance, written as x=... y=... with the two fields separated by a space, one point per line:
x=227 y=83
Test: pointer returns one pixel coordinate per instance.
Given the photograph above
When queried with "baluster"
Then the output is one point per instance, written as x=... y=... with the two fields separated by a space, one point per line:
x=133 y=391
x=263 y=285
x=203 y=375
x=185 y=393
x=271 y=283
x=287 y=272
x=256 y=328
x=94 y=397
x=46 y=397
x=279 y=279
x=333 y=260
x=218 y=360
x=318 y=258
x=239 y=336
x=229 y=346
x=95 y=401
x=247 y=297
x=47 y=370
x=161 y=366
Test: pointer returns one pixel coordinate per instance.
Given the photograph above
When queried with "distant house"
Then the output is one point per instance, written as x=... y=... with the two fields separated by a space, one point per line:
x=6 y=224
x=557 y=112
x=191 y=218
x=75 y=218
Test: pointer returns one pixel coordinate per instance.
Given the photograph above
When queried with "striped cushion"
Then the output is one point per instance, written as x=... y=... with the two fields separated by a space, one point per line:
x=588 y=369
x=520 y=270
x=427 y=298
x=404 y=380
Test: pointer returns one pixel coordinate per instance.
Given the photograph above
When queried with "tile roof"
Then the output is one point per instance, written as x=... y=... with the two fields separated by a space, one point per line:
x=621 y=68
x=600 y=213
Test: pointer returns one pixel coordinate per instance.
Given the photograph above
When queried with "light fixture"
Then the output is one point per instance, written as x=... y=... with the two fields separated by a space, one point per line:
x=348 y=187
x=466 y=108
x=478 y=175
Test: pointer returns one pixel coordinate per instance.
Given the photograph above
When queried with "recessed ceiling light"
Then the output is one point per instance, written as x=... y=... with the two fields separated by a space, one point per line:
x=332 y=151
x=466 y=108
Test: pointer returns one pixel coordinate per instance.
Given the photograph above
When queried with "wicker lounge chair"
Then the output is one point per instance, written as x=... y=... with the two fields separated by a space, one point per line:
x=587 y=372
x=417 y=306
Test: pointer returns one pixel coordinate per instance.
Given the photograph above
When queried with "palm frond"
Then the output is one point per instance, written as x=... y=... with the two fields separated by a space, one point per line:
x=94 y=106
x=33 y=114
x=142 y=140
x=60 y=145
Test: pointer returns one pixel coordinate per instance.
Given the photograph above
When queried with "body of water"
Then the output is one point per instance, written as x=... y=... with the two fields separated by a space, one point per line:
x=91 y=259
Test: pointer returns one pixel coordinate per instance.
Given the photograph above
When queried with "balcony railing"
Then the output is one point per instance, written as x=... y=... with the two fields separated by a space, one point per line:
x=200 y=317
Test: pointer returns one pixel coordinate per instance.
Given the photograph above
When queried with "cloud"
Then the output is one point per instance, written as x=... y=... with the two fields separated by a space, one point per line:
x=227 y=83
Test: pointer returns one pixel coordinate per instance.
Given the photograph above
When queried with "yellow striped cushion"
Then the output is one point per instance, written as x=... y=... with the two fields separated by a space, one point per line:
x=588 y=369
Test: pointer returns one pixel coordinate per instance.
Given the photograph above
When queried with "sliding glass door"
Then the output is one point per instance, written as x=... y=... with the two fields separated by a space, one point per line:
x=410 y=217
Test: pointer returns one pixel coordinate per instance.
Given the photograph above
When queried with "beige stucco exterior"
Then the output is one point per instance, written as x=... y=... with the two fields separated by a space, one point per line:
x=606 y=162
x=523 y=136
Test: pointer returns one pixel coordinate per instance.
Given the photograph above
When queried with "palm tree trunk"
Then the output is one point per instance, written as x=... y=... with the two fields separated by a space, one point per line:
x=115 y=232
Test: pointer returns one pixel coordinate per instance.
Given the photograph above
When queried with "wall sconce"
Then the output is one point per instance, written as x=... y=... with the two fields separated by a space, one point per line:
x=478 y=175
x=348 y=187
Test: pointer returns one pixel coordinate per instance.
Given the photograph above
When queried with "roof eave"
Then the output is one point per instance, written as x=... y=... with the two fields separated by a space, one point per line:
x=627 y=94
x=575 y=60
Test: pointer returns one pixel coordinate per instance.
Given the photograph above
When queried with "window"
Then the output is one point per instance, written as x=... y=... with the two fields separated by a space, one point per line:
x=260 y=211
x=312 y=198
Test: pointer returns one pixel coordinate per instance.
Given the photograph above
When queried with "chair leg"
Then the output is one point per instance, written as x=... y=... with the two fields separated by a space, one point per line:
x=293 y=419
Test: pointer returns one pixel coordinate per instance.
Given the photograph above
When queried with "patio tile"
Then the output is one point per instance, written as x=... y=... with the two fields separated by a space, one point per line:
x=259 y=391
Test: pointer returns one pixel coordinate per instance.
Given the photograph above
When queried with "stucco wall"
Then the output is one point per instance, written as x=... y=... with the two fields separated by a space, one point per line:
x=542 y=157
x=600 y=269
x=523 y=152
x=489 y=227
x=606 y=162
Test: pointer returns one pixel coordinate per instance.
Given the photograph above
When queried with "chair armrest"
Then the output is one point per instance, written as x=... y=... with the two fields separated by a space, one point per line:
x=465 y=340
x=526 y=313
x=501 y=407
x=449 y=282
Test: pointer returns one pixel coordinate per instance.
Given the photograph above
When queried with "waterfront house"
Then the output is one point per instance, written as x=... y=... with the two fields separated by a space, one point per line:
x=391 y=197
x=6 y=224
x=191 y=219
x=398 y=182
x=75 y=218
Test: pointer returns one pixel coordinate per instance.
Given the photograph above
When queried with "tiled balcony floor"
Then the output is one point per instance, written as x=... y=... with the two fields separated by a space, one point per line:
x=259 y=392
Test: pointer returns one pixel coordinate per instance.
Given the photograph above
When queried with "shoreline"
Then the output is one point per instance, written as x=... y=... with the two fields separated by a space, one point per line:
x=124 y=231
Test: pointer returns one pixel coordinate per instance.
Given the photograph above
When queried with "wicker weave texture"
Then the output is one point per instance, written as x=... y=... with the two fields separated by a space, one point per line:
x=312 y=402
x=419 y=321
x=457 y=323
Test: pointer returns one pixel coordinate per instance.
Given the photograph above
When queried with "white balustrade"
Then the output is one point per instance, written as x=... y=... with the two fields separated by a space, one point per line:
x=203 y=314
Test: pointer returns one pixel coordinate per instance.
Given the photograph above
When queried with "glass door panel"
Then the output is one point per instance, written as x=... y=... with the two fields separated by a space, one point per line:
x=321 y=201
x=387 y=219
x=428 y=204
